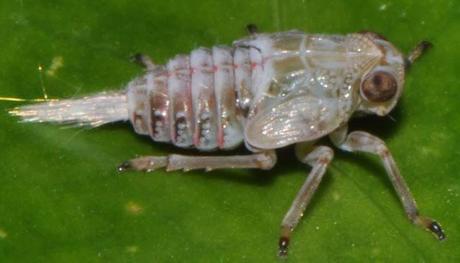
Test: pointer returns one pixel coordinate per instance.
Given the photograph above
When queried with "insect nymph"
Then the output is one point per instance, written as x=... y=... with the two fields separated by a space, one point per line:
x=267 y=91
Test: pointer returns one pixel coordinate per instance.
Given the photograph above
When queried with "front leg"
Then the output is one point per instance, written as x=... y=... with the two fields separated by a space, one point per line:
x=265 y=160
x=365 y=142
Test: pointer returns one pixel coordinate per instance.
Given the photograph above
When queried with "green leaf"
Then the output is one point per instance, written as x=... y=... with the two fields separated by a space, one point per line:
x=61 y=199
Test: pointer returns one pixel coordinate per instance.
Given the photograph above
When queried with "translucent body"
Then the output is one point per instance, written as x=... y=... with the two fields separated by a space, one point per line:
x=269 y=90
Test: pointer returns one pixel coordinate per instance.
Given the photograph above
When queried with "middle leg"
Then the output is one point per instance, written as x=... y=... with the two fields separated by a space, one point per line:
x=319 y=158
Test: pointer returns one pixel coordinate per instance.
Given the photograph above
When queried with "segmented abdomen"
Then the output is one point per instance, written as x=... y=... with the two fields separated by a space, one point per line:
x=197 y=100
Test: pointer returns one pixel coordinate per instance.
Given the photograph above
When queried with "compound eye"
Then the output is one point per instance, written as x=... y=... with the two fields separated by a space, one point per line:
x=379 y=86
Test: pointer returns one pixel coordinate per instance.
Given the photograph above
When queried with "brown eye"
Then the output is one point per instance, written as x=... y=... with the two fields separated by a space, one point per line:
x=379 y=87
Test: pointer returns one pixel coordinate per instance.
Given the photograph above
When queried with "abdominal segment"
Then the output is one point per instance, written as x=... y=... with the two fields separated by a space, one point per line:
x=193 y=101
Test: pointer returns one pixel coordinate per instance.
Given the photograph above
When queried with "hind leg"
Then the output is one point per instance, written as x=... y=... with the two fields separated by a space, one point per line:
x=264 y=160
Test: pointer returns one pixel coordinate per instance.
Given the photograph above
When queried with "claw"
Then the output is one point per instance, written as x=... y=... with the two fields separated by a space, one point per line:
x=125 y=166
x=283 y=247
x=432 y=226
x=437 y=230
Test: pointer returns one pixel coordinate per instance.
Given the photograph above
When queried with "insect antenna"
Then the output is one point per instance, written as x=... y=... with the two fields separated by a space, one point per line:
x=418 y=51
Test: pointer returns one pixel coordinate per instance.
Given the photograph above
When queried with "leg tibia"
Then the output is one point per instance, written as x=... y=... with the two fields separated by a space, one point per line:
x=319 y=159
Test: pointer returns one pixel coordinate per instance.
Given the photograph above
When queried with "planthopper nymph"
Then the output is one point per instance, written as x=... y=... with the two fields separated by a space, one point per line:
x=266 y=91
